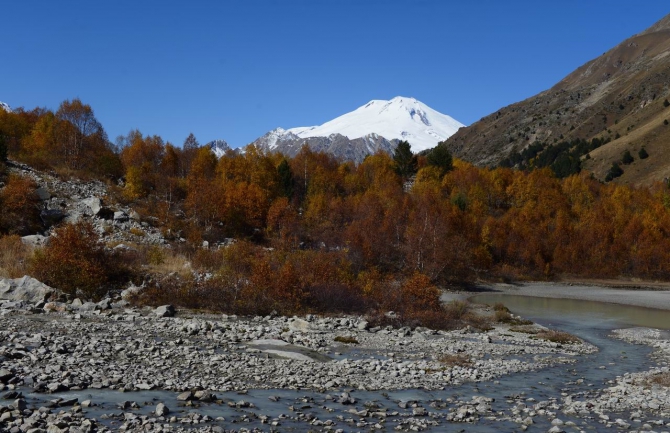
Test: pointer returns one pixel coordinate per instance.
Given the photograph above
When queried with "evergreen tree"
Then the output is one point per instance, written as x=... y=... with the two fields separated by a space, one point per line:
x=615 y=171
x=643 y=153
x=405 y=161
x=191 y=142
x=3 y=148
x=440 y=157
x=285 y=179
x=627 y=158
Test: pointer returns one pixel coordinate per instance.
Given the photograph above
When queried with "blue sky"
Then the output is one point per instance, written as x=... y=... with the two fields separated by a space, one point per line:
x=237 y=69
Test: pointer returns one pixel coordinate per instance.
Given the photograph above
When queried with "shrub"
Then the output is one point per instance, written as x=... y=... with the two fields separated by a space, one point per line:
x=456 y=310
x=627 y=158
x=77 y=263
x=13 y=257
x=557 y=337
x=137 y=232
x=614 y=172
x=666 y=104
x=346 y=339
x=20 y=206
x=499 y=306
x=504 y=316
x=455 y=360
x=643 y=153
x=661 y=379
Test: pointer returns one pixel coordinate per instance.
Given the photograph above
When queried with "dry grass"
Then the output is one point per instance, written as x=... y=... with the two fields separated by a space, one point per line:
x=166 y=261
x=660 y=379
x=455 y=360
x=14 y=257
x=504 y=316
x=346 y=339
x=137 y=232
x=456 y=309
x=558 y=337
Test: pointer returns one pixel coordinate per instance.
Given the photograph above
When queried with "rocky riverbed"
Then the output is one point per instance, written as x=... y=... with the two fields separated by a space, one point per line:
x=106 y=366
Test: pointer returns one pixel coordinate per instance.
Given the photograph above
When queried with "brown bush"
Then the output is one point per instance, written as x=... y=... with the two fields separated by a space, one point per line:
x=504 y=316
x=558 y=337
x=13 y=257
x=77 y=263
x=455 y=360
x=20 y=206
x=660 y=379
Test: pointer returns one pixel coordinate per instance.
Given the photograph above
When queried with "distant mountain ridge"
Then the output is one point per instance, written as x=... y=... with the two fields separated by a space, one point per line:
x=619 y=96
x=219 y=147
x=377 y=125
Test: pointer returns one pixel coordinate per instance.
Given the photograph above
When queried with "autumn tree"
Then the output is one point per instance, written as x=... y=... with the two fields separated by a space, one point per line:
x=142 y=159
x=189 y=149
x=77 y=130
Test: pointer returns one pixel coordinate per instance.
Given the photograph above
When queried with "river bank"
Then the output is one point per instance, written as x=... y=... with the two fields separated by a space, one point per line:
x=57 y=349
x=68 y=367
x=643 y=295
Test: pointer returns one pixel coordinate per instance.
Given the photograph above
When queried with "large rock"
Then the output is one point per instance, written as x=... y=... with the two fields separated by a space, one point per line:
x=52 y=216
x=25 y=289
x=42 y=193
x=131 y=291
x=165 y=311
x=162 y=410
x=94 y=204
x=299 y=325
x=35 y=240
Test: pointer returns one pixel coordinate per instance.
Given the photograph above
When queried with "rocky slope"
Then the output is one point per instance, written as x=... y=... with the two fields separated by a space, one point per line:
x=280 y=140
x=620 y=95
x=72 y=200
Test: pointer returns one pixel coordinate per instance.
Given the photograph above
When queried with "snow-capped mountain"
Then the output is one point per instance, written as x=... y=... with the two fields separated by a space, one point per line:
x=377 y=125
x=219 y=147
x=5 y=107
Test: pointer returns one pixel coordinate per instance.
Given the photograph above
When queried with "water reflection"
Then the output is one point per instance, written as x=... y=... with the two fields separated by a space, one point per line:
x=599 y=315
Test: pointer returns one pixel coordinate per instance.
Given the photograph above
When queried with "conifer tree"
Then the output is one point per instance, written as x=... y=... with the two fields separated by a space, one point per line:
x=440 y=157
x=405 y=161
x=3 y=148
x=285 y=179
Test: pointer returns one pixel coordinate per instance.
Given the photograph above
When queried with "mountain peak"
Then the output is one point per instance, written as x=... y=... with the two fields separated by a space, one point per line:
x=401 y=118
x=5 y=107
x=219 y=147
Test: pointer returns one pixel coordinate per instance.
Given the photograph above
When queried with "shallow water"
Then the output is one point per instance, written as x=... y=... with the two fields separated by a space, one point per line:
x=575 y=313
x=297 y=410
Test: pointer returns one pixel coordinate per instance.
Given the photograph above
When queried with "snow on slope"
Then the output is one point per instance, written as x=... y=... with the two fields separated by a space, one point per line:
x=400 y=118
x=5 y=107
x=219 y=147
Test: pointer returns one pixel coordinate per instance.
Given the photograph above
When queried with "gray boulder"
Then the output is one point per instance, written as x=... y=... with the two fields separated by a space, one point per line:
x=24 y=289
x=131 y=291
x=52 y=216
x=162 y=410
x=94 y=204
x=120 y=216
x=165 y=311
x=42 y=193
x=35 y=240
x=299 y=325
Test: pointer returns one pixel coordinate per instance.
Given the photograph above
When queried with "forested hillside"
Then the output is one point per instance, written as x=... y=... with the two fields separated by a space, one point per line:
x=311 y=233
